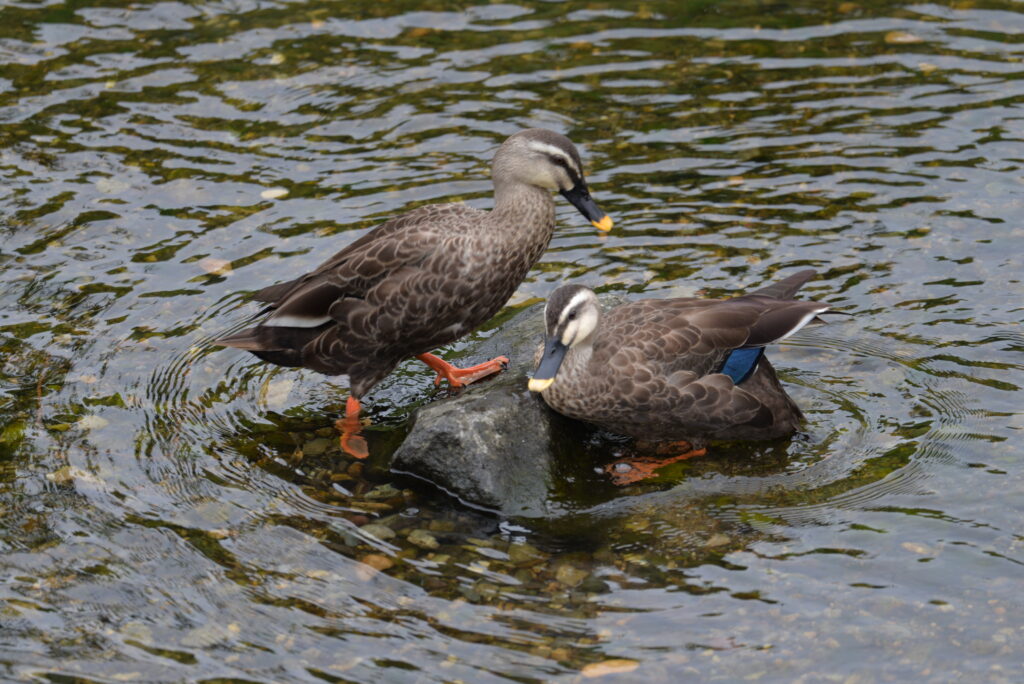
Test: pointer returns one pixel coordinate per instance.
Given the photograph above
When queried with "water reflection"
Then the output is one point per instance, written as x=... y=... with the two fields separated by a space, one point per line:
x=172 y=513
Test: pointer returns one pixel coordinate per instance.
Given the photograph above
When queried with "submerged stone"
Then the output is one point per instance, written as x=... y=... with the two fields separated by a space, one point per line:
x=570 y=575
x=379 y=531
x=523 y=554
x=424 y=540
x=317 y=446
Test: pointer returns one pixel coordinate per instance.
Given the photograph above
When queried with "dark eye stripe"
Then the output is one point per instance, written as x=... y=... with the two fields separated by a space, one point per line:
x=560 y=161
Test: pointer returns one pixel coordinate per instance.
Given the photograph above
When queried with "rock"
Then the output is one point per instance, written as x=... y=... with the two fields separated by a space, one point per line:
x=317 y=446
x=384 y=491
x=717 y=540
x=570 y=575
x=423 y=539
x=371 y=565
x=524 y=555
x=594 y=585
x=377 y=561
x=382 y=532
x=495 y=444
x=490 y=448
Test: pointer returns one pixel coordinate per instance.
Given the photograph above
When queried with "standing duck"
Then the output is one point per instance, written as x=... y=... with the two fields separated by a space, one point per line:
x=673 y=369
x=422 y=279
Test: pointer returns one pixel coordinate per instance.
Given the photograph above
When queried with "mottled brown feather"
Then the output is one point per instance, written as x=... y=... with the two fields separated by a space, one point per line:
x=649 y=369
x=414 y=283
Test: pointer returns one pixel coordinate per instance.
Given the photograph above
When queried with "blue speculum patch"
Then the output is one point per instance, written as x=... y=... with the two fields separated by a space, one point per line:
x=740 y=363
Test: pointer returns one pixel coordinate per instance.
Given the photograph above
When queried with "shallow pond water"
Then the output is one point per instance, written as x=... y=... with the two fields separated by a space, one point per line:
x=173 y=512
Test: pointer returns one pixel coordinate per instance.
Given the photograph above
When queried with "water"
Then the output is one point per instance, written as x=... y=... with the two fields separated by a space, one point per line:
x=174 y=513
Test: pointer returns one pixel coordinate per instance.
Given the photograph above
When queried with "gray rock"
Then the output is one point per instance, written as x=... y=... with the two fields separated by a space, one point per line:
x=491 y=447
x=496 y=445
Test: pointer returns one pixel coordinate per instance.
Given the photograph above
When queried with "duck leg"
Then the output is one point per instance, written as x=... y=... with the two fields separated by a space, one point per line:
x=349 y=426
x=634 y=469
x=457 y=377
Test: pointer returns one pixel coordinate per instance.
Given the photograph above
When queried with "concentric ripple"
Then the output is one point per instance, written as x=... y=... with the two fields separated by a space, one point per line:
x=177 y=511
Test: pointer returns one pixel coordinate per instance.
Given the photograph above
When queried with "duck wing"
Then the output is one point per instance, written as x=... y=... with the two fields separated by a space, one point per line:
x=669 y=335
x=785 y=288
x=399 y=241
x=664 y=361
x=301 y=310
x=663 y=336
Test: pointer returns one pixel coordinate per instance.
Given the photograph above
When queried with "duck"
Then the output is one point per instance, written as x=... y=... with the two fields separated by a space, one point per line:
x=682 y=370
x=421 y=280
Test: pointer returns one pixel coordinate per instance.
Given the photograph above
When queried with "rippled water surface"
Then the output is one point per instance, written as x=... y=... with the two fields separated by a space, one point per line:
x=174 y=512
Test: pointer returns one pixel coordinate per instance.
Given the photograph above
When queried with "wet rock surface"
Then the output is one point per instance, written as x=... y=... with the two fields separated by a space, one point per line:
x=491 y=447
x=495 y=444
x=498 y=446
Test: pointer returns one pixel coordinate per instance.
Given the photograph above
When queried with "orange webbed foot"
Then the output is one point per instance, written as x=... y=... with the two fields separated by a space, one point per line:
x=627 y=471
x=352 y=443
x=458 y=377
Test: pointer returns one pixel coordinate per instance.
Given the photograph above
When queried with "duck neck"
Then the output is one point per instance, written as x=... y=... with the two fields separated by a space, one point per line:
x=528 y=207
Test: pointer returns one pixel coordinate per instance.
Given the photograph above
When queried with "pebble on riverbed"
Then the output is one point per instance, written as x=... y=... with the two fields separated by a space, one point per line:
x=382 y=532
x=570 y=575
x=423 y=539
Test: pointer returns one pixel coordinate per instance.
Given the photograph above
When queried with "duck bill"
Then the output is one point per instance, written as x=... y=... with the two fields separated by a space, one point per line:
x=579 y=195
x=554 y=354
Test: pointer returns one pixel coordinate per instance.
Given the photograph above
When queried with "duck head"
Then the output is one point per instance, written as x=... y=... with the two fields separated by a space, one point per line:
x=548 y=160
x=571 y=316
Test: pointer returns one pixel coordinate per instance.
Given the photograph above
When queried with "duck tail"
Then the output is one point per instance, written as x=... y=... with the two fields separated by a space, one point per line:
x=277 y=345
x=787 y=287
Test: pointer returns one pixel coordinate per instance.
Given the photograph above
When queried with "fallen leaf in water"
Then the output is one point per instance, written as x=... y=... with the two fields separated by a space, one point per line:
x=717 y=539
x=919 y=549
x=70 y=474
x=902 y=38
x=214 y=266
x=275 y=393
x=92 y=423
x=111 y=186
x=615 y=666
x=274 y=193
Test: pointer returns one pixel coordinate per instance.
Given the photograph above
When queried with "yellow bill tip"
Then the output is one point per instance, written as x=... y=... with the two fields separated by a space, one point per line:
x=604 y=224
x=540 y=384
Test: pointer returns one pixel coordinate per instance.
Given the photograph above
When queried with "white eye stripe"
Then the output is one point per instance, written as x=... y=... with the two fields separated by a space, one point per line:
x=555 y=152
x=577 y=299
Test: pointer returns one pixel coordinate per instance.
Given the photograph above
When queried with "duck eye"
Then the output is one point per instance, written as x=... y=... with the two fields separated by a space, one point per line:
x=571 y=316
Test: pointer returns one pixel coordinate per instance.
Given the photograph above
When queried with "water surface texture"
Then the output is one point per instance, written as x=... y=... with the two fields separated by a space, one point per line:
x=173 y=512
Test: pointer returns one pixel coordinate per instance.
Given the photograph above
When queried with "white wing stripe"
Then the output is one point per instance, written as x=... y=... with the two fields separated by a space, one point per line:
x=296 y=321
x=804 y=321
